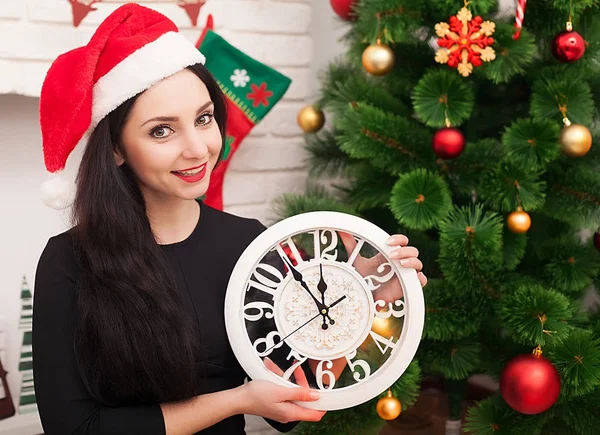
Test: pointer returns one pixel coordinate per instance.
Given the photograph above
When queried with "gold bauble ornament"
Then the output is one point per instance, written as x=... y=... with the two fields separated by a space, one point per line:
x=576 y=140
x=519 y=221
x=310 y=119
x=382 y=326
x=378 y=59
x=389 y=407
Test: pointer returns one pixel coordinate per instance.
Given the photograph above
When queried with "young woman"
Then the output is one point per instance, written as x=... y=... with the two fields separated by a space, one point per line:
x=128 y=330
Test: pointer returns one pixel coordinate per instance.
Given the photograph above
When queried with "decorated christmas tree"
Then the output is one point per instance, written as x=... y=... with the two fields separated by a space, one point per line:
x=471 y=132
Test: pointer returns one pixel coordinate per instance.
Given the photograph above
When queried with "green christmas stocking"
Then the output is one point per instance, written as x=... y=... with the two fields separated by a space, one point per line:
x=252 y=89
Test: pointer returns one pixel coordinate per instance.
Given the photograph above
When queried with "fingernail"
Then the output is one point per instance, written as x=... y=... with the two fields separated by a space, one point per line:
x=404 y=262
x=394 y=254
x=391 y=240
x=267 y=359
x=314 y=395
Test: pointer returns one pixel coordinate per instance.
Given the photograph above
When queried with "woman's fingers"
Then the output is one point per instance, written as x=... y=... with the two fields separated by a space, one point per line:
x=398 y=240
x=412 y=262
x=404 y=252
x=422 y=279
x=299 y=413
x=299 y=374
x=348 y=240
x=300 y=394
x=272 y=366
x=300 y=377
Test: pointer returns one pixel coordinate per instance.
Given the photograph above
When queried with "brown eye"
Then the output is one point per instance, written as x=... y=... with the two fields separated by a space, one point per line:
x=160 y=132
x=204 y=119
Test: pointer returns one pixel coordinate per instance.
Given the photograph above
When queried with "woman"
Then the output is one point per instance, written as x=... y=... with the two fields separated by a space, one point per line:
x=128 y=328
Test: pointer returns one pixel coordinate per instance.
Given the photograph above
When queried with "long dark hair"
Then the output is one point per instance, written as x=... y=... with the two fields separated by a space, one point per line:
x=133 y=341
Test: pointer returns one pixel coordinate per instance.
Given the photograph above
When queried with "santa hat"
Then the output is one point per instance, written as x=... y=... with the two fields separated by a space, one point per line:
x=134 y=48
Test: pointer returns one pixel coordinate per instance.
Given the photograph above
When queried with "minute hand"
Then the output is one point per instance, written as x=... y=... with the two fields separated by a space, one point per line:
x=298 y=277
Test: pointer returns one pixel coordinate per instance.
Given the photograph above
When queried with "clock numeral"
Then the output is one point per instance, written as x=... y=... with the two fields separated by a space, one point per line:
x=299 y=361
x=359 y=363
x=371 y=279
x=261 y=307
x=380 y=341
x=321 y=373
x=355 y=251
x=391 y=311
x=293 y=248
x=264 y=283
x=320 y=237
x=269 y=343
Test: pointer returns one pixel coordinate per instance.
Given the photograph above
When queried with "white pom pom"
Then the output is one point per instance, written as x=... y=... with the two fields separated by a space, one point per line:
x=57 y=192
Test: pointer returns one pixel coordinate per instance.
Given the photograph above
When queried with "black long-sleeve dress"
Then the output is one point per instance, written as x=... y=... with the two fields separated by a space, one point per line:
x=202 y=264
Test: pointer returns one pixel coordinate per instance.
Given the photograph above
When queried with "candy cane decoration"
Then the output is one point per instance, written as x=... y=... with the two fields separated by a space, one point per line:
x=519 y=16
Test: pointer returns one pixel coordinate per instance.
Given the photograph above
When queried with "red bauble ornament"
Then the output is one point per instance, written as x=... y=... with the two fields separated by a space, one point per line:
x=292 y=257
x=530 y=384
x=597 y=240
x=343 y=8
x=568 y=46
x=448 y=143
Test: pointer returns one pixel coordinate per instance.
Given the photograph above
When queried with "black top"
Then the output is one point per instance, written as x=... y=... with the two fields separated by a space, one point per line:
x=202 y=264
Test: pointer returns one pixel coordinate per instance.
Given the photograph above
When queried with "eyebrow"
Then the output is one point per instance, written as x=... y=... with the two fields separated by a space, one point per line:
x=174 y=118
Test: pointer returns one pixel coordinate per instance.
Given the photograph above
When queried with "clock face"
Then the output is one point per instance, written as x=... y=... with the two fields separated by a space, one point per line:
x=315 y=300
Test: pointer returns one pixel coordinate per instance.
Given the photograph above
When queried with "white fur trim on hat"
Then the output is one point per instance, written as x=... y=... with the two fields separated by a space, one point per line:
x=167 y=55
x=57 y=192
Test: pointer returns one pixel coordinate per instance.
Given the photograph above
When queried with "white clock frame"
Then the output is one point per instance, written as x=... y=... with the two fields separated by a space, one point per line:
x=407 y=343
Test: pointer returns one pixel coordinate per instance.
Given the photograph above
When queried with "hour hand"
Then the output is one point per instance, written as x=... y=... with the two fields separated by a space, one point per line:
x=322 y=287
x=298 y=277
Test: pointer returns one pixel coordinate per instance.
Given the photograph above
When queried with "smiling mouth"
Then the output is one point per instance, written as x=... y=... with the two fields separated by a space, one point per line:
x=190 y=171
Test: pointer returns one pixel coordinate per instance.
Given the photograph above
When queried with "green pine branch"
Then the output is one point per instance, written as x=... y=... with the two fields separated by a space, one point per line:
x=493 y=416
x=578 y=362
x=555 y=94
x=325 y=157
x=512 y=56
x=535 y=315
x=507 y=187
x=450 y=314
x=570 y=265
x=573 y=194
x=442 y=94
x=420 y=199
x=366 y=132
x=471 y=247
x=454 y=360
x=532 y=144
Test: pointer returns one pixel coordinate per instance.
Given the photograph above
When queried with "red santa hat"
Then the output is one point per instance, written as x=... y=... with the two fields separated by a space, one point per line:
x=134 y=48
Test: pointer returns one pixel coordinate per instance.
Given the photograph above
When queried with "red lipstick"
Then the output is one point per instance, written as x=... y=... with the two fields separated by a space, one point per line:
x=191 y=178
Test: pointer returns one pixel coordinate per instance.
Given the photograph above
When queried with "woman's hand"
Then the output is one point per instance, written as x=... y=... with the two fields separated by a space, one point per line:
x=269 y=400
x=408 y=256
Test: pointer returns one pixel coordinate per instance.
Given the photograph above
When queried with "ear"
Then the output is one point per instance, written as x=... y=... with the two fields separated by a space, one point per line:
x=119 y=159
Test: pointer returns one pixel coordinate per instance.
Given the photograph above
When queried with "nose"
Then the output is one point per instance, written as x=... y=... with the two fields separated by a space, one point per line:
x=193 y=145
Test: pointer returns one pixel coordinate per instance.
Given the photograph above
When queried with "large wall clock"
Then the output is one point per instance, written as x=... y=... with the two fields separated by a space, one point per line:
x=319 y=290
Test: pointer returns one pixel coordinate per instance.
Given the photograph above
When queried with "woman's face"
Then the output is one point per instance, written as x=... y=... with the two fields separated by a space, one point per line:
x=171 y=139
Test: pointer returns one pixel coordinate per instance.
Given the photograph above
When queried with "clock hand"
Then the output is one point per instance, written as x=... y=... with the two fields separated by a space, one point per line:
x=299 y=278
x=337 y=301
x=322 y=287
x=304 y=324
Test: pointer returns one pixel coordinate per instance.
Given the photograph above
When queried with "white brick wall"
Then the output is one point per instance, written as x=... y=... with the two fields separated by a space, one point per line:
x=269 y=162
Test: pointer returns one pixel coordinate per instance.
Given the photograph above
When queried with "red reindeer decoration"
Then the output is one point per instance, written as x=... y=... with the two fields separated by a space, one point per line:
x=192 y=8
x=83 y=7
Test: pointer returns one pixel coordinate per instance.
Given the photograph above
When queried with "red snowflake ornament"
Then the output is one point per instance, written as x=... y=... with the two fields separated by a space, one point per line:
x=465 y=42
x=259 y=95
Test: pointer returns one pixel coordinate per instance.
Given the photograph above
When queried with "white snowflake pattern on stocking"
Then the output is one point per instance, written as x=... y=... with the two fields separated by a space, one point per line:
x=240 y=78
